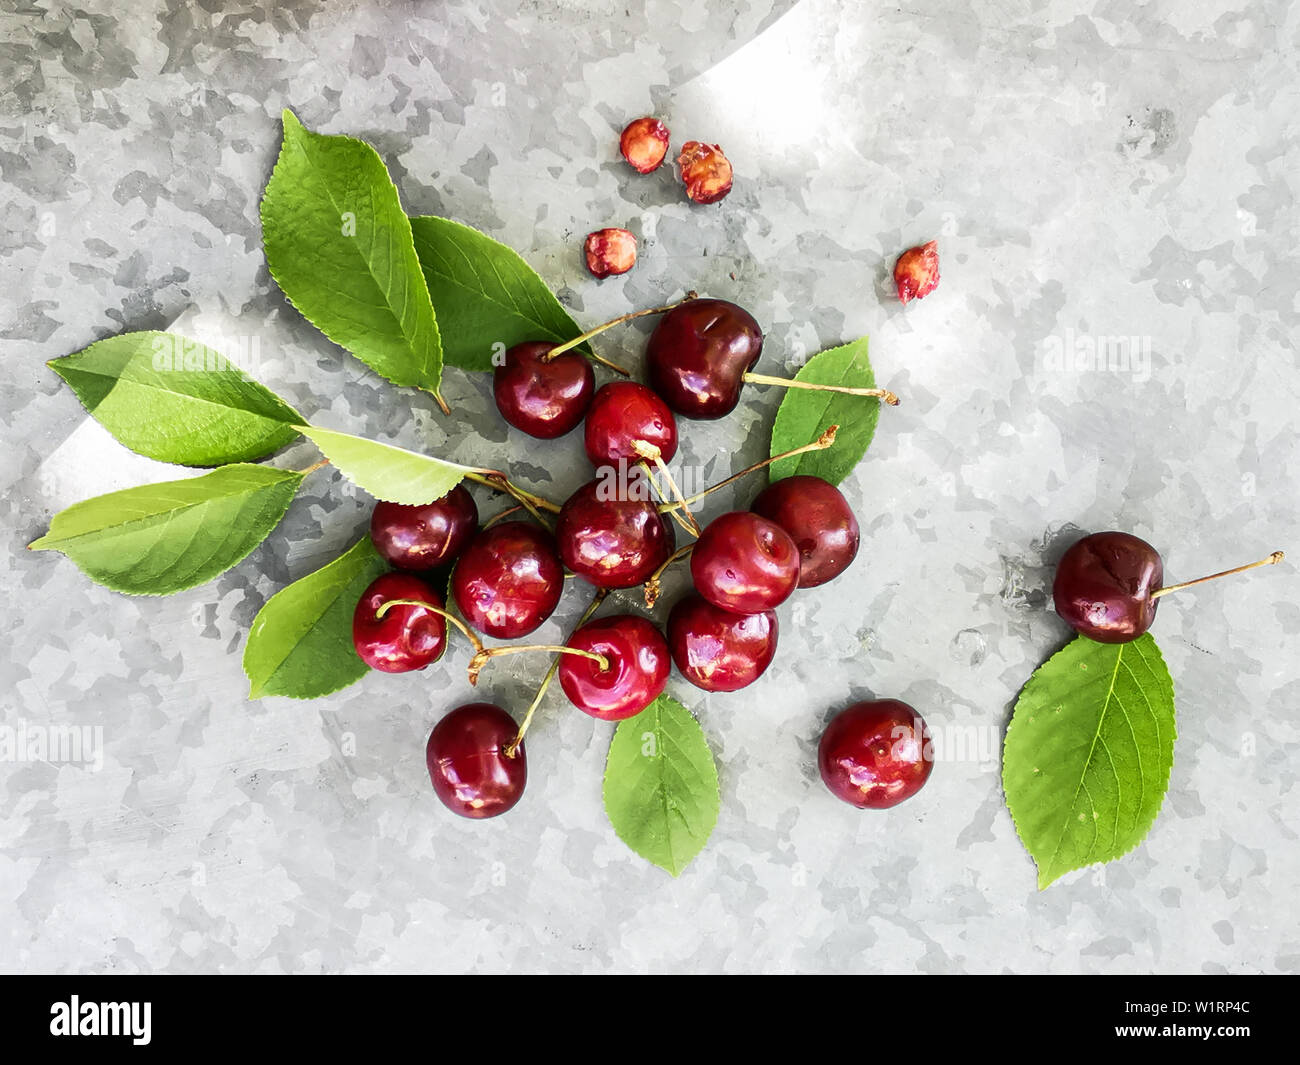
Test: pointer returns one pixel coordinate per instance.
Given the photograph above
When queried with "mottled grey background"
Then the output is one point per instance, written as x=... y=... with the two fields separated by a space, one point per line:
x=1091 y=170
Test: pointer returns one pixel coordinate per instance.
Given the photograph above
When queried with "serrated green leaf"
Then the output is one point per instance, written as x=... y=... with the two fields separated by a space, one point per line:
x=484 y=293
x=387 y=472
x=175 y=400
x=804 y=415
x=1088 y=753
x=300 y=644
x=339 y=246
x=661 y=785
x=164 y=538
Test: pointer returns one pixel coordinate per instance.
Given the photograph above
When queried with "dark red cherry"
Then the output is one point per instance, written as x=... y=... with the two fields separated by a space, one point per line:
x=639 y=665
x=818 y=519
x=744 y=563
x=427 y=536
x=1103 y=586
x=543 y=399
x=876 y=754
x=508 y=580
x=611 y=533
x=698 y=356
x=406 y=637
x=471 y=773
x=717 y=650
x=622 y=413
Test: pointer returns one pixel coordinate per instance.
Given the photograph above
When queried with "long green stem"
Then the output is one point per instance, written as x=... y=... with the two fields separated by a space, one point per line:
x=1272 y=560
x=469 y=633
x=499 y=482
x=787 y=382
x=570 y=344
x=488 y=653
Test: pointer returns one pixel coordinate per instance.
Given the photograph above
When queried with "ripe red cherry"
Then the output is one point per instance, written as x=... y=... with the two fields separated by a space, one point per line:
x=1103 y=586
x=876 y=754
x=543 y=399
x=744 y=563
x=639 y=665
x=406 y=637
x=706 y=172
x=623 y=412
x=644 y=144
x=717 y=650
x=609 y=251
x=698 y=355
x=471 y=773
x=424 y=537
x=613 y=538
x=508 y=580
x=817 y=517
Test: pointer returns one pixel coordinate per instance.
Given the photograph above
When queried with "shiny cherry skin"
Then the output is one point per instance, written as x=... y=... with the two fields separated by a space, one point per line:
x=717 y=650
x=471 y=773
x=698 y=356
x=424 y=537
x=875 y=754
x=817 y=518
x=639 y=665
x=508 y=580
x=406 y=637
x=744 y=563
x=1103 y=586
x=622 y=413
x=613 y=538
x=543 y=399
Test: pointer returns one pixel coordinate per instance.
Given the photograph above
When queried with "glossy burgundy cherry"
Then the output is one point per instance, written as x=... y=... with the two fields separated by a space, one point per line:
x=698 y=355
x=876 y=754
x=508 y=580
x=406 y=637
x=622 y=413
x=744 y=563
x=543 y=399
x=817 y=518
x=612 y=534
x=471 y=773
x=424 y=537
x=639 y=665
x=1104 y=585
x=717 y=650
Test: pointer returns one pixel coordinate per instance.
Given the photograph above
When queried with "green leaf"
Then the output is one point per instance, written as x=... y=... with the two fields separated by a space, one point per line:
x=1088 y=753
x=661 y=786
x=173 y=399
x=485 y=294
x=163 y=538
x=339 y=246
x=804 y=415
x=387 y=472
x=301 y=641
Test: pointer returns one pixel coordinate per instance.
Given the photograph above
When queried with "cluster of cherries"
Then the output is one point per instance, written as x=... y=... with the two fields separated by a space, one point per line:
x=618 y=532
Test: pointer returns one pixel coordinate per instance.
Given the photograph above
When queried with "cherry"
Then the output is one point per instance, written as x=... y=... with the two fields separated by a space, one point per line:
x=623 y=413
x=916 y=274
x=644 y=144
x=637 y=669
x=543 y=398
x=401 y=637
x=875 y=754
x=717 y=650
x=609 y=251
x=744 y=563
x=610 y=541
x=818 y=519
x=472 y=774
x=508 y=580
x=706 y=172
x=424 y=537
x=698 y=355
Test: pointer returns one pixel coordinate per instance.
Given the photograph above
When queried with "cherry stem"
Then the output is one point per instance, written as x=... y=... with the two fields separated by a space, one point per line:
x=1272 y=560
x=314 y=467
x=650 y=453
x=469 y=634
x=652 y=588
x=785 y=382
x=484 y=656
x=820 y=444
x=499 y=482
x=513 y=746
x=562 y=348
x=503 y=515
